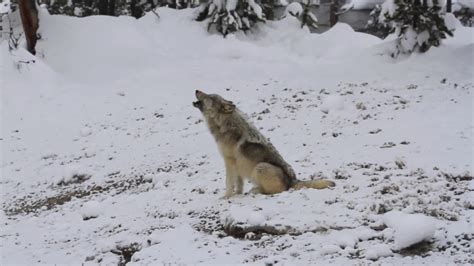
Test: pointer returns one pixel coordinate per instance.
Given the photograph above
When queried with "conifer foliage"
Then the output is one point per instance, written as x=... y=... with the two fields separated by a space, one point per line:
x=302 y=11
x=228 y=16
x=375 y=26
x=417 y=26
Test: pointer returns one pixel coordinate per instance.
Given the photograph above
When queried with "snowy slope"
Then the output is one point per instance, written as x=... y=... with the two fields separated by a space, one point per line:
x=105 y=160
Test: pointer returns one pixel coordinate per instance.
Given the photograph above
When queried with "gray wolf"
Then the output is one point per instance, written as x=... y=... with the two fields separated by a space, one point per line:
x=246 y=152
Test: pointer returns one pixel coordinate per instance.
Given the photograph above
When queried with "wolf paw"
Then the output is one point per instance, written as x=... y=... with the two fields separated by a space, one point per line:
x=226 y=196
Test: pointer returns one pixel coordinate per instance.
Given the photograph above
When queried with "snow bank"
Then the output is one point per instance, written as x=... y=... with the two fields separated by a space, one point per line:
x=465 y=3
x=117 y=44
x=85 y=46
x=409 y=229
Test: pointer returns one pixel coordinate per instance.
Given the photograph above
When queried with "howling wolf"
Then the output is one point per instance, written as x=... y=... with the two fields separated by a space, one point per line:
x=246 y=152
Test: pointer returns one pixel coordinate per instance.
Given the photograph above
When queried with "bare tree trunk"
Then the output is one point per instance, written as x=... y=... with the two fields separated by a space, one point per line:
x=103 y=5
x=88 y=10
x=333 y=12
x=135 y=10
x=112 y=7
x=30 y=21
x=448 y=6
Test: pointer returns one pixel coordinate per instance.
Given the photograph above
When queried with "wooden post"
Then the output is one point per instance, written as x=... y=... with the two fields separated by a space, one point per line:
x=449 y=6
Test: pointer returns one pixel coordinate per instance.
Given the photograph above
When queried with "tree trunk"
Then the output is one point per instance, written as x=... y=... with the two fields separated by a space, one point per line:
x=103 y=7
x=30 y=22
x=135 y=9
x=448 y=6
x=333 y=12
x=112 y=7
x=88 y=10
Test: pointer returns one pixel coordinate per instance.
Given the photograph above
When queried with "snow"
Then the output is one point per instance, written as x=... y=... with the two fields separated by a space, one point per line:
x=409 y=229
x=257 y=9
x=5 y=7
x=231 y=5
x=329 y=249
x=332 y=103
x=294 y=9
x=377 y=251
x=345 y=240
x=451 y=22
x=101 y=125
x=71 y=172
x=466 y=3
x=86 y=131
x=388 y=7
x=91 y=209
x=361 y=4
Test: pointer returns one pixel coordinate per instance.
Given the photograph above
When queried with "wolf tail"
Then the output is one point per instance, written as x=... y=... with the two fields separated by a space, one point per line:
x=316 y=184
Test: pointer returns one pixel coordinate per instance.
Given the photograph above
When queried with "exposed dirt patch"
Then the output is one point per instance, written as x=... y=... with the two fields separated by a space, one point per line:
x=75 y=179
x=419 y=249
x=126 y=252
x=30 y=204
x=25 y=205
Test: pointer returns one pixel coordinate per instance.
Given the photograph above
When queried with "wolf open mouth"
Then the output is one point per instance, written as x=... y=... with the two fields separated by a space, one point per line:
x=197 y=104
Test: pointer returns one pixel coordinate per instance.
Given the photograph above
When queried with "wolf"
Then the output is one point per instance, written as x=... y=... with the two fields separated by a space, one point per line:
x=246 y=152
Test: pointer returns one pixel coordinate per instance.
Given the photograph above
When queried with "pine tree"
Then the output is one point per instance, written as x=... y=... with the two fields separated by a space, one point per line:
x=228 y=16
x=418 y=27
x=307 y=17
x=465 y=16
x=302 y=11
x=375 y=26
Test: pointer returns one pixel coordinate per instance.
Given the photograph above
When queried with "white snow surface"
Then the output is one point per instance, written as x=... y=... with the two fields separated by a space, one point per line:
x=106 y=107
x=91 y=209
x=361 y=4
x=409 y=229
x=5 y=7
x=377 y=251
x=465 y=3
x=295 y=9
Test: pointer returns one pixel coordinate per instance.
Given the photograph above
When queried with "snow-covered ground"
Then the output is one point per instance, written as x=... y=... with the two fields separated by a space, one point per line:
x=104 y=159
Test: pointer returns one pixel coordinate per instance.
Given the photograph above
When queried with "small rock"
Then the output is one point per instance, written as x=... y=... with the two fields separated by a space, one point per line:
x=388 y=145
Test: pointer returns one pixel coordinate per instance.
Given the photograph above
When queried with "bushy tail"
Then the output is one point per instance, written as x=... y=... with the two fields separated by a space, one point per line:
x=316 y=184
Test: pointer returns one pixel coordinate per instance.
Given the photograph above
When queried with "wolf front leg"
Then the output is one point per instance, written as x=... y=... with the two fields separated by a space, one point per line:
x=239 y=183
x=231 y=177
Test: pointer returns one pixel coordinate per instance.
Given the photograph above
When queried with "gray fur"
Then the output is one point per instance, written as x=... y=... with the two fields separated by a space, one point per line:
x=246 y=152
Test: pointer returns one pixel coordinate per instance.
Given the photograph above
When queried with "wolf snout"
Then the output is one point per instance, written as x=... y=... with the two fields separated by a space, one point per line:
x=199 y=94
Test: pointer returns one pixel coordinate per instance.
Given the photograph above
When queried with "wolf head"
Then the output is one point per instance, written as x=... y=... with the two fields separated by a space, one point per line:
x=212 y=104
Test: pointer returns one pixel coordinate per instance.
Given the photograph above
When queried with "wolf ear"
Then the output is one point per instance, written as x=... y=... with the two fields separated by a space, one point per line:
x=227 y=107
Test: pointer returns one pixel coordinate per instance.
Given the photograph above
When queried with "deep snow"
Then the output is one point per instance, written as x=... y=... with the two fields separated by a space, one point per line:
x=104 y=159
